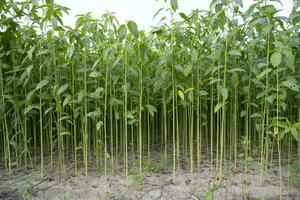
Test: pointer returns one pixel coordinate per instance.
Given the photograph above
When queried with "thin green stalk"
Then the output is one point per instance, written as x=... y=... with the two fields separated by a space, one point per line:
x=125 y=119
x=223 y=127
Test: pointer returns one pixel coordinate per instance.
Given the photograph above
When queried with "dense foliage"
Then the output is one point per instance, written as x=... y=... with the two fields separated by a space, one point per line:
x=223 y=81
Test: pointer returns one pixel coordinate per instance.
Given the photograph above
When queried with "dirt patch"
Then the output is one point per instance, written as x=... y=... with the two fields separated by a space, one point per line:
x=9 y=194
x=155 y=184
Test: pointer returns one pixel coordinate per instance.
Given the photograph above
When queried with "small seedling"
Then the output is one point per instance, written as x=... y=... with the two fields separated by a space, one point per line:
x=226 y=175
x=294 y=171
x=27 y=192
x=209 y=191
x=139 y=180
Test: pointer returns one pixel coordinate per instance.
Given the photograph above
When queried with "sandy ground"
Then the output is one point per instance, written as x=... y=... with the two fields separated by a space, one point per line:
x=152 y=185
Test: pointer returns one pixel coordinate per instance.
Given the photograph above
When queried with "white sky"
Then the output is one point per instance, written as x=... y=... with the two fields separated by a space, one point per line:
x=141 y=11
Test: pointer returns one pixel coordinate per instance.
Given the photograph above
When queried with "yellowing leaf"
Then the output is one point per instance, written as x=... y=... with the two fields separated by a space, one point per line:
x=152 y=114
x=188 y=90
x=181 y=95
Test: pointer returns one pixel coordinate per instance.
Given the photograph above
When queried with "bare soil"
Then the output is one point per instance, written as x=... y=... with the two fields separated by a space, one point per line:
x=157 y=184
